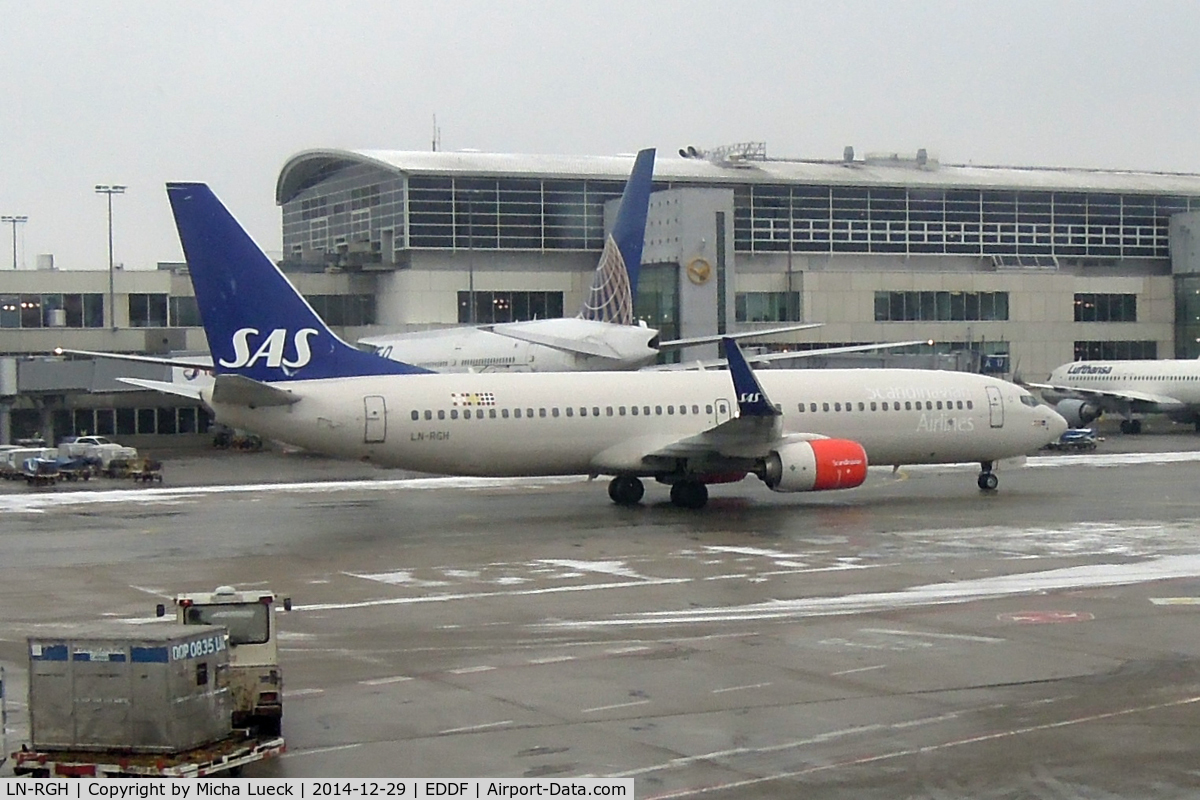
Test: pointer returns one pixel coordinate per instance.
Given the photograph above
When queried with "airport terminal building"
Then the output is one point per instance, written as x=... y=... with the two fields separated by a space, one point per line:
x=1003 y=267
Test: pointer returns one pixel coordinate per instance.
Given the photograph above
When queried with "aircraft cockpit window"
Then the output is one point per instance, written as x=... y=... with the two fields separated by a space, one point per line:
x=1029 y=400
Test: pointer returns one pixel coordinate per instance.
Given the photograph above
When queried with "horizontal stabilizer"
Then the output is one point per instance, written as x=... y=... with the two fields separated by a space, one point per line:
x=178 y=389
x=195 y=362
x=242 y=391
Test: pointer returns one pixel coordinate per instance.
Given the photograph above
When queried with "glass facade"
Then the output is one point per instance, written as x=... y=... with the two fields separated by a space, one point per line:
x=977 y=222
x=1187 y=316
x=376 y=209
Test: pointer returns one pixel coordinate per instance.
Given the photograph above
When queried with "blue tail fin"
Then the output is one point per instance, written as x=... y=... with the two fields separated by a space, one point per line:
x=257 y=324
x=614 y=284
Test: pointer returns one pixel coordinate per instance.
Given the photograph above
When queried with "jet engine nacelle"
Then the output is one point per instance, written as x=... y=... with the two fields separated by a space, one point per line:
x=1078 y=413
x=816 y=466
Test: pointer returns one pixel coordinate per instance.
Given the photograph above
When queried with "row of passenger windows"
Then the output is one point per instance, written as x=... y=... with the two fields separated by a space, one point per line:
x=570 y=411
x=895 y=405
x=682 y=410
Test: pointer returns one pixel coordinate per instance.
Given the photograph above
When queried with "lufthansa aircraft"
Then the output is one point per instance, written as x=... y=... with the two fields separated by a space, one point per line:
x=1083 y=390
x=603 y=336
x=282 y=373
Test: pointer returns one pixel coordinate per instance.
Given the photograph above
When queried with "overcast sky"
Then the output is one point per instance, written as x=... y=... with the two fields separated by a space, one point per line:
x=141 y=93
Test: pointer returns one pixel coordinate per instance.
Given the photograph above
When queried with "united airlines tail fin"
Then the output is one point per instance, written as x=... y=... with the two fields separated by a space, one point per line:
x=614 y=284
x=258 y=325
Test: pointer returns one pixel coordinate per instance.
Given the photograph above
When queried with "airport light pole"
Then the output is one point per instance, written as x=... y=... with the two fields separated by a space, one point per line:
x=110 y=189
x=13 y=219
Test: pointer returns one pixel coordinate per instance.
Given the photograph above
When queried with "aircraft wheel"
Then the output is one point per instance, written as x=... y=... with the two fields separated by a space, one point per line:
x=988 y=481
x=689 y=494
x=626 y=490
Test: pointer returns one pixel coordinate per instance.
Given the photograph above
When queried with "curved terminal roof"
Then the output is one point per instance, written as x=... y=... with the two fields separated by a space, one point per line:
x=310 y=167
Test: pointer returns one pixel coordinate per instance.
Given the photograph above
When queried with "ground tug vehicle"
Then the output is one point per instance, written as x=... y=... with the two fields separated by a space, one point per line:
x=194 y=698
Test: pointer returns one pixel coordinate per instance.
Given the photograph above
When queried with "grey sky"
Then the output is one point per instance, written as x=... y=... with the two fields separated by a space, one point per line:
x=141 y=93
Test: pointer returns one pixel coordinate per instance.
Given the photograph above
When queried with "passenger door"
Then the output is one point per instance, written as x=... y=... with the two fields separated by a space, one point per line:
x=376 y=419
x=995 y=406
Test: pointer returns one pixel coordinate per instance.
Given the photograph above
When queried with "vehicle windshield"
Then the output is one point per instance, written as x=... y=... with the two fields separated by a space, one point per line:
x=248 y=623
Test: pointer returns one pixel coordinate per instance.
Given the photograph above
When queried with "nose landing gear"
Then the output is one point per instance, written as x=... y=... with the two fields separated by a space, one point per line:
x=987 y=479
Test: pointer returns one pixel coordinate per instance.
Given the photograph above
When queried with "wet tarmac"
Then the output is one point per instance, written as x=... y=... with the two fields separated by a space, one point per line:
x=911 y=638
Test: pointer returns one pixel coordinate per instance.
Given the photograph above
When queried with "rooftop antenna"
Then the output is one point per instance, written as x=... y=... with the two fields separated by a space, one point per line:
x=437 y=135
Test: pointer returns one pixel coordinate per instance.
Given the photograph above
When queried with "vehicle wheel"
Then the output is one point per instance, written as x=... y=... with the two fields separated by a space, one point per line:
x=626 y=490
x=689 y=494
x=988 y=481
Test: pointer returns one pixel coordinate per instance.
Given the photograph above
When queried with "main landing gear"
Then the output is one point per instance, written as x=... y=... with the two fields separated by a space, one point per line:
x=987 y=479
x=1134 y=426
x=689 y=494
x=627 y=490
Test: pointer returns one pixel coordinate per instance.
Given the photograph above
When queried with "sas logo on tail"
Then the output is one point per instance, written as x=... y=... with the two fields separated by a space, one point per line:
x=271 y=348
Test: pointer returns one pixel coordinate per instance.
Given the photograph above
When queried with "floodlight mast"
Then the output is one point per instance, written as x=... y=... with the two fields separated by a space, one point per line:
x=110 y=189
x=14 y=220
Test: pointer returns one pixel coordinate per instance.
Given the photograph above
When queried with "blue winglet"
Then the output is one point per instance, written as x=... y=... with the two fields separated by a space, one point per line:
x=752 y=400
x=258 y=326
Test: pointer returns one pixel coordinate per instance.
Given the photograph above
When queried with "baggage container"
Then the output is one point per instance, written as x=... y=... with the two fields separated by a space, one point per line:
x=159 y=689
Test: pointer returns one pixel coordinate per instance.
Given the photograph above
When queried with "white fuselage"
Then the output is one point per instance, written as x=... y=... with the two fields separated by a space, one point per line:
x=604 y=423
x=1178 y=379
x=548 y=345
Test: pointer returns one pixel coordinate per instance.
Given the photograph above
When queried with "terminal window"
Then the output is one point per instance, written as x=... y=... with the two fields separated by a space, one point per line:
x=940 y=306
x=767 y=307
x=1116 y=351
x=489 y=307
x=1105 y=307
x=147 y=311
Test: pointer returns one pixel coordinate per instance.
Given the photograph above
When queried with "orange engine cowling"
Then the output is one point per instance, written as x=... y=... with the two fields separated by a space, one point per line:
x=816 y=466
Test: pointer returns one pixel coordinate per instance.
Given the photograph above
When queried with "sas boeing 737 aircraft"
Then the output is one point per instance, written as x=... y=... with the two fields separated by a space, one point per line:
x=1084 y=390
x=603 y=336
x=282 y=373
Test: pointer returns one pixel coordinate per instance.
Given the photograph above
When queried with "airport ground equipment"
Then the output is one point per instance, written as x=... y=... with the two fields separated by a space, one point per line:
x=100 y=450
x=146 y=470
x=124 y=701
x=40 y=471
x=255 y=677
x=1077 y=440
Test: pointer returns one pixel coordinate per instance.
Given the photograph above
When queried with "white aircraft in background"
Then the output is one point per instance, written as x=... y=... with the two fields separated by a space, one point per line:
x=1084 y=390
x=604 y=334
x=282 y=373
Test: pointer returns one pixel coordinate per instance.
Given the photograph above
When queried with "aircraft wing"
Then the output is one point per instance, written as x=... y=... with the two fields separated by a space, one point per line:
x=588 y=347
x=199 y=362
x=674 y=344
x=731 y=444
x=1101 y=395
x=766 y=358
